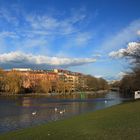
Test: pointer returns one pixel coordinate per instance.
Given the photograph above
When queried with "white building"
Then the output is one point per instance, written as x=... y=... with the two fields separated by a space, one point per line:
x=22 y=69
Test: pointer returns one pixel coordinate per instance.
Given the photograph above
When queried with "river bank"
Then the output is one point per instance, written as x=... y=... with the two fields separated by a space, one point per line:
x=117 y=122
x=16 y=111
x=56 y=94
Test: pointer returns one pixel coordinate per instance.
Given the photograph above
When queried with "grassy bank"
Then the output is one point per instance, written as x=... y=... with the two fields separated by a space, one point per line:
x=121 y=122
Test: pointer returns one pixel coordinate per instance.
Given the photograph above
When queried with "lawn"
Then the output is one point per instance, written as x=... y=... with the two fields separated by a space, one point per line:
x=121 y=122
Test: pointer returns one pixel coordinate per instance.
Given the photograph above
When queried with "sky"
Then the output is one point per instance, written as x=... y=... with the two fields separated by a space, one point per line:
x=77 y=35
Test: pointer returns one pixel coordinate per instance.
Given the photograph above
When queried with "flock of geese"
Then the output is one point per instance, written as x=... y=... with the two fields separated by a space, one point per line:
x=55 y=109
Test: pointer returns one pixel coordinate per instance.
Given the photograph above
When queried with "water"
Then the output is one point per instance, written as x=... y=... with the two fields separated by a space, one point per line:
x=17 y=112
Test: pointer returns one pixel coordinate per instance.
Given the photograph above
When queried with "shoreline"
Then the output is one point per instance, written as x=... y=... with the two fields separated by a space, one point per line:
x=57 y=94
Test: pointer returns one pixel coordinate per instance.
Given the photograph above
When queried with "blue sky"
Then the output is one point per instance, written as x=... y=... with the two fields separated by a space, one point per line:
x=77 y=35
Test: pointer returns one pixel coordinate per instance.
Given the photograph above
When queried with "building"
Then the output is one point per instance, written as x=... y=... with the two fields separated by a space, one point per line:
x=31 y=78
x=22 y=69
x=70 y=81
x=76 y=80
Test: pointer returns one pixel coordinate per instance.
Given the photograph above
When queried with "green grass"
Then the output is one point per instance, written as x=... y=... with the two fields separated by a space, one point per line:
x=121 y=122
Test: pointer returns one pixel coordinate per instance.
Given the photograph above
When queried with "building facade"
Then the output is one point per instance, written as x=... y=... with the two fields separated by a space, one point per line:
x=60 y=80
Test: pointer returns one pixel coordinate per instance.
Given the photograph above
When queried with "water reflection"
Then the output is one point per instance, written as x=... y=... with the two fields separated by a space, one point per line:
x=17 y=112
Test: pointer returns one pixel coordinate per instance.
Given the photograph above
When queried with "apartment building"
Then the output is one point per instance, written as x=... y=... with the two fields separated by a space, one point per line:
x=76 y=80
x=73 y=80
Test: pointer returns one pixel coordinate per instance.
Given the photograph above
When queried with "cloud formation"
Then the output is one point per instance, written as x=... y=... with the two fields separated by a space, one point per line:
x=45 y=32
x=123 y=37
x=50 y=25
x=138 y=32
x=83 y=38
x=133 y=48
x=18 y=59
x=43 y=24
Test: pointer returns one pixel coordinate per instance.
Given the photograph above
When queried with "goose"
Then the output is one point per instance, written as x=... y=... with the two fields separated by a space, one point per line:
x=105 y=101
x=34 y=113
x=55 y=109
x=61 y=112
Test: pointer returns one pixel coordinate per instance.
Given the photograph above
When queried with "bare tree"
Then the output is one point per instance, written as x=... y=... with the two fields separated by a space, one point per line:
x=2 y=79
x=13 y=82
x=131 y=81
x=43 y=86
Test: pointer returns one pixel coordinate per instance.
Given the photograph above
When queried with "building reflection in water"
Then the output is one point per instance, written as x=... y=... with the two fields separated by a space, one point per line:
x=26 y=102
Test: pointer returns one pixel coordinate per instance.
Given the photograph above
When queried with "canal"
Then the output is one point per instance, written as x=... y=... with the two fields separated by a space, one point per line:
x=24 y=111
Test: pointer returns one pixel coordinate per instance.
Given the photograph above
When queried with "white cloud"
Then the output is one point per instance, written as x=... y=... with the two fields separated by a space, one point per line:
x=54 y=26
x=98 y=76
x=5 y=34
x=34 y=30
x=138 y=32
x=132 y=49
x=120 y=75
x=46 y=23
x=35 y=42
x=18 y=59
x=83 y=38
x=117 y=54
x=7 y=16
x=123 y=37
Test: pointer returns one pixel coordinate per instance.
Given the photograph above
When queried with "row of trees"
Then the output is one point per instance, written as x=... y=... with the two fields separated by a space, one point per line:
x=95 y=84
x=12 y=82
x=44 y=86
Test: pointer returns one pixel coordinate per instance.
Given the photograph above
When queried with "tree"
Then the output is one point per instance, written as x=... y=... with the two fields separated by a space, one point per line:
x=60 y=86
x=103 y=85
x=2 y=79
x=115 y=84
x=131 y=81
x=95 y=84
x=43 y=86
x=68 y=87
x=92 y=83
x=13 y=82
